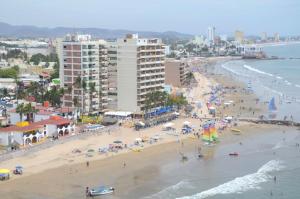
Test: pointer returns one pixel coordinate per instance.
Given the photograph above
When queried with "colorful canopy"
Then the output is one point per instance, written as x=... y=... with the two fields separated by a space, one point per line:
x=4 y=171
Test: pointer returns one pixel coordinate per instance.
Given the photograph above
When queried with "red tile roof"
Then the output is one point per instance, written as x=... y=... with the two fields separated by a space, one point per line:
x=30 y=127
x=54 y=120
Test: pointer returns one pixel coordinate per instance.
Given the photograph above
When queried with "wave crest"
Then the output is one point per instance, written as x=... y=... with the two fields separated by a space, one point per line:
x=242 y=184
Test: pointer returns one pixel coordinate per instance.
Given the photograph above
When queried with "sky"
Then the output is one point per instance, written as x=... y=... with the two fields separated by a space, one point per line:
x=187 y=16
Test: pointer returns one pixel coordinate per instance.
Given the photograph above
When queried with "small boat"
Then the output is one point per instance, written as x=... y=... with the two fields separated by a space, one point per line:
x=236 y=130
x=103 y=190
x=233 y=154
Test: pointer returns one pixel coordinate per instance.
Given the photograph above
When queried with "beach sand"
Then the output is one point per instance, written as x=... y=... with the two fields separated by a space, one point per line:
x=56 y=172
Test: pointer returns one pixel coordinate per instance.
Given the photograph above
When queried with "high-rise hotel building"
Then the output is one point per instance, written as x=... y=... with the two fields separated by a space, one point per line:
x=140 y=70
x=82 y=58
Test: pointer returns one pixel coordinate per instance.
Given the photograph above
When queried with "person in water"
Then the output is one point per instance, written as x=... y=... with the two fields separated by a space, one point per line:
x=275 y=179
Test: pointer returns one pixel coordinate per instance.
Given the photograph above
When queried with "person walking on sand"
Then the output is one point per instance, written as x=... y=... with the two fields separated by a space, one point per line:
x=124 y=164
x=87 y=164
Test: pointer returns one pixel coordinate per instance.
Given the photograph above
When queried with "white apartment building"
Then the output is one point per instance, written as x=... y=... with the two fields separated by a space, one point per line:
x=211 y=34
x=85 y=59
x=140 y=70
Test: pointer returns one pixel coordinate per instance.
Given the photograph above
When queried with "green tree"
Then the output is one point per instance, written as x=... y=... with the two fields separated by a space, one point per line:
x=20 y=109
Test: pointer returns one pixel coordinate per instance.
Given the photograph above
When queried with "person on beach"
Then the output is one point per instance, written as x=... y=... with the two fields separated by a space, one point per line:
x=87 y=191
x=124 y=164
x=87 y=164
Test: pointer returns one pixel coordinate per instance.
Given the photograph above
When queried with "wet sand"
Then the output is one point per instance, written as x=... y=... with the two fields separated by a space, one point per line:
x=58 y=173
x=70 y=181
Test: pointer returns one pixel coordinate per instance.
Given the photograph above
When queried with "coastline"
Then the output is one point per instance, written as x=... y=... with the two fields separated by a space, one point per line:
x=60 y=162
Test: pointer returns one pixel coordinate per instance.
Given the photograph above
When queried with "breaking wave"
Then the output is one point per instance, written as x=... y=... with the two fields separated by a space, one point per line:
x=232 y=71
x=273 y=91
x=242 y=184
x=171 y=191
x=257 y=71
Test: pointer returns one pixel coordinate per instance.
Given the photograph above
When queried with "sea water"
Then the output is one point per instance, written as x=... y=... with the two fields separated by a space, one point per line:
x=278 y=78
x=250 y=175
x=262 y=157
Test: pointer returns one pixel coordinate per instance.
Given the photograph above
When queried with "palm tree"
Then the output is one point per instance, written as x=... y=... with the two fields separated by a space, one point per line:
x=84 y=88
x=30 y=112
x=92 y=87
x=20 y=109
x=76 y=104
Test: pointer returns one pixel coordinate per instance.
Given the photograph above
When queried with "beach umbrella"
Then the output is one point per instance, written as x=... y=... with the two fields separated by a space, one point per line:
x=138 y=139
x=186 y=123
x=4 y=171
x=169 y=124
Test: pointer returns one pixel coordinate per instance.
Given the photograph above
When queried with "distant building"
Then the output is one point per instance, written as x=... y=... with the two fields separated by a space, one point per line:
x=85 y=59
x=264 y=36
x=211 y=33
x=176 y=72
x=199 y=40
x=276 y=37
x=239 y=36
x=140 y=70
x=223 y=37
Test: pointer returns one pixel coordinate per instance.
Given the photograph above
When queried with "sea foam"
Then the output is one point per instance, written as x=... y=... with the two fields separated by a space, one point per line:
x=242 y=184
x=233 y=71
x=171 y=191
x=257 y=71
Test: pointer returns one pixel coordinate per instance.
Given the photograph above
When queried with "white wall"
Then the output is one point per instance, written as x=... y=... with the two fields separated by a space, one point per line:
x=127 y=75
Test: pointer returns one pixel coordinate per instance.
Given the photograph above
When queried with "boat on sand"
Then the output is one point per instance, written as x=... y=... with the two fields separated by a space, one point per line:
x=103 y=190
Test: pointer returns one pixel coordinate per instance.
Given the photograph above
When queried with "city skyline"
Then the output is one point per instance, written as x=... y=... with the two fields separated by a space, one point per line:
x=189 y=16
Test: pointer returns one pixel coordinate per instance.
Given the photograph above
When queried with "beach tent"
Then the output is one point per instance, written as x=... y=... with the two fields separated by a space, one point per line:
x=187 y=123
x=4 y=171
x=168 y=125
x=176 y=113
x=4 y=174
x=138 y=139
x=228 y=118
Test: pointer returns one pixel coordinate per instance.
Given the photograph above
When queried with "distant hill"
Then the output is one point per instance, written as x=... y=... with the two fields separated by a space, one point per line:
x=8 y=30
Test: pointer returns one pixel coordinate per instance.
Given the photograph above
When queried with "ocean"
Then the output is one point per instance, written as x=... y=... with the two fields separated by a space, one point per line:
x=279 y=78
x=263 y=155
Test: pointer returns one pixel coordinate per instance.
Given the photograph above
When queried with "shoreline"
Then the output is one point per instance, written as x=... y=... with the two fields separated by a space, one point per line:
x=60 y=156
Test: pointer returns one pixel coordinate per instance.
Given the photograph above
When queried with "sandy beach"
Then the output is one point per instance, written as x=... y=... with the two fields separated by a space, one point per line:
x=57 y=172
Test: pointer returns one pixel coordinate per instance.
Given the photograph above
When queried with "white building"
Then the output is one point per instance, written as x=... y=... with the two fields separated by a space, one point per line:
x=211 y=34
x=140 y=70
x=85 y=59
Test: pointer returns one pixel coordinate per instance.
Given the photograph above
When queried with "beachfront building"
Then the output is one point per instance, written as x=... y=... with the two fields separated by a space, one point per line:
x=112 y=74
x=42 y=113
x=83 y=73
x=25 y=133
x=140 y=70
x=176 y=72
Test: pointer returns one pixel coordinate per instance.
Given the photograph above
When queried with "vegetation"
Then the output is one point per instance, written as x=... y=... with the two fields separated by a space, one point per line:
x=158 y=99
x=52 y=57
x=15 y=53
x=27 y=110
x=9 y=72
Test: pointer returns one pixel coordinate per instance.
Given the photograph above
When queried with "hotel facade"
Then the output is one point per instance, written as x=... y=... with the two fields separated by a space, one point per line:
x=82 y=58
x=140 y=70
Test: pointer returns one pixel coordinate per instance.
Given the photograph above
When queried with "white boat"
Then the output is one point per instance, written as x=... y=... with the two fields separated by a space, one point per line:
x=103 y=190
